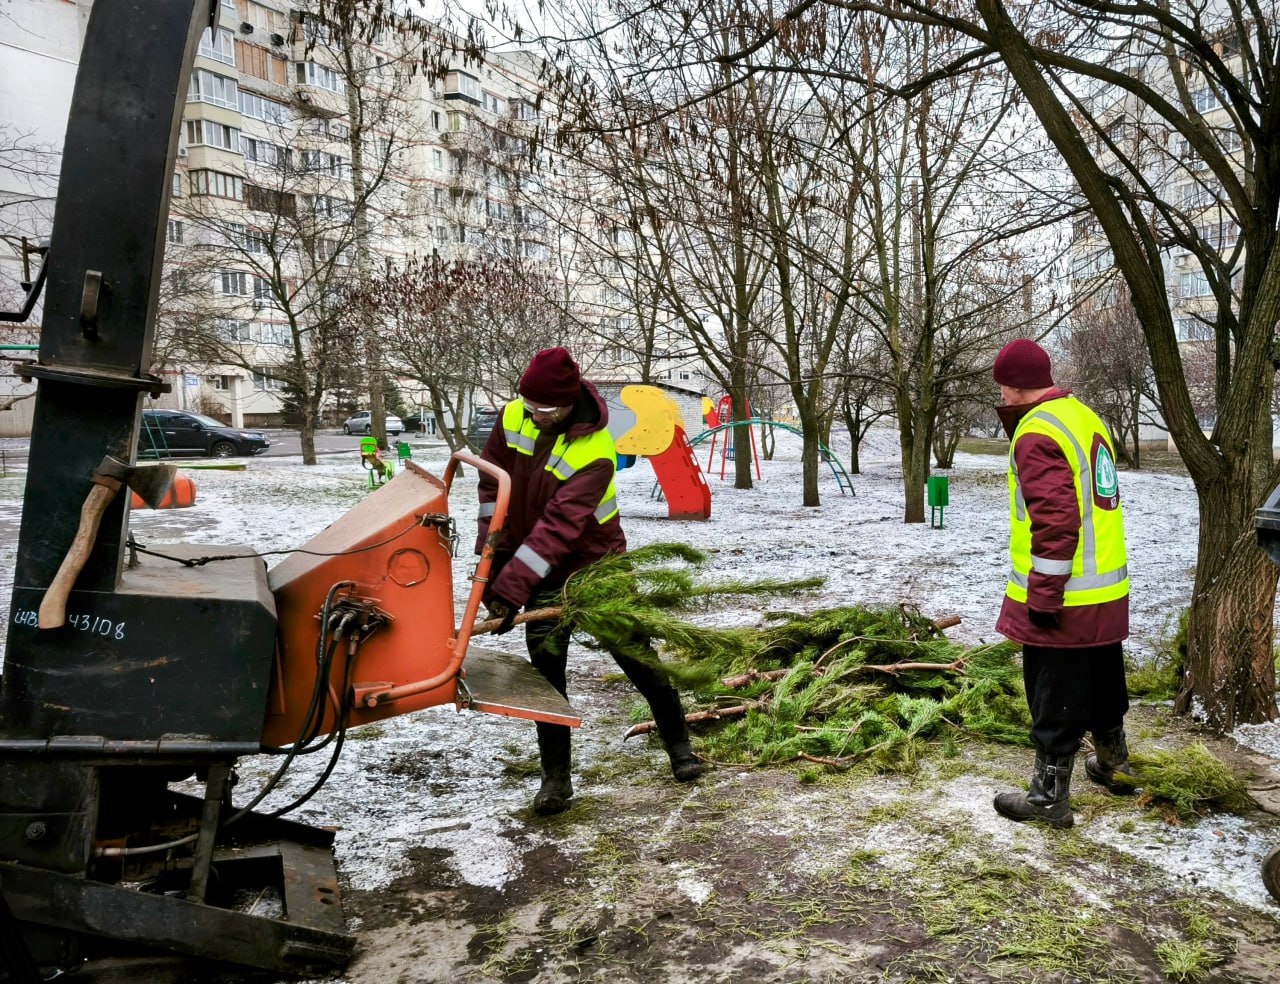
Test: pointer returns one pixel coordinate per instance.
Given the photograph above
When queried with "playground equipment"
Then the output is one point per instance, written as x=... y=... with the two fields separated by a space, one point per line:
x=645 y=422
x=843 y=482
x=719 y=419
x=380 y=470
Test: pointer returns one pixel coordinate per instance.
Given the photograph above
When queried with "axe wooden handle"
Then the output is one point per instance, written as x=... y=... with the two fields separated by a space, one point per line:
x=53 y=609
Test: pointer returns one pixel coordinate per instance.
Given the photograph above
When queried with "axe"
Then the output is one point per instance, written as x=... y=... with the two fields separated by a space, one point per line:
x=151 y=482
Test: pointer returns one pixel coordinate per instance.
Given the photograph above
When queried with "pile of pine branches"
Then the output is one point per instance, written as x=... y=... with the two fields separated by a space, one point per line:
x=834 y=687
x=839 y=687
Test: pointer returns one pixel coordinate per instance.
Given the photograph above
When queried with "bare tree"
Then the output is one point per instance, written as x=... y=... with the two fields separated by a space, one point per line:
x=1164 y=113
x=464 y=331
x=1110 y=368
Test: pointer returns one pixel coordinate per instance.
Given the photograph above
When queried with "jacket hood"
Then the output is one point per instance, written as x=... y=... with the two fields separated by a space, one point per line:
x=590 y=413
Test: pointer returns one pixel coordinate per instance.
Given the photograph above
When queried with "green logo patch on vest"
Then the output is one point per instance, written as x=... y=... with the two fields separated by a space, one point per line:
x=1104 y=473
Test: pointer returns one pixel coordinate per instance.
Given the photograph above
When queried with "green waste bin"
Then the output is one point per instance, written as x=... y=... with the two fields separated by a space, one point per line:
x=939 y=495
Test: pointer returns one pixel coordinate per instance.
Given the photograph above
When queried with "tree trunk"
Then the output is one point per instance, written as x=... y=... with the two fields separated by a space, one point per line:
x=853 y=422
x=1231 y=616
x=307 y=432
x=915 y=474
x=810 y=458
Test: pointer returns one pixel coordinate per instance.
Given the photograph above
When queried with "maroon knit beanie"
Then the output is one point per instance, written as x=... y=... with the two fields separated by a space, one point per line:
x=552 y=379
x=1023 y=364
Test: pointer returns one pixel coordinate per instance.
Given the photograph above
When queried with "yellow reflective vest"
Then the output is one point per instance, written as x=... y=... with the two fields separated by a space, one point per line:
x=568 y=457
x=1099 y=570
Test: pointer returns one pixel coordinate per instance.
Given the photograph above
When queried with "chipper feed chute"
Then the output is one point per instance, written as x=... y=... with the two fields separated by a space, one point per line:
x=126 y=675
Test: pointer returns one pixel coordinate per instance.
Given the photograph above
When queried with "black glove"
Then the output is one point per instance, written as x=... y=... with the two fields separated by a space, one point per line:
x=1042 y=620
x=503 y=609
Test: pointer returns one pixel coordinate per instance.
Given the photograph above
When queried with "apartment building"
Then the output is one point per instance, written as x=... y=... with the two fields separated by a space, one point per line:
x=1196 y=211
x=288 y=191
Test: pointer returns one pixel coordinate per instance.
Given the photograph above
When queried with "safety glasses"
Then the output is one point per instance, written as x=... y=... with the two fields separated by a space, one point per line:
x=545 y=411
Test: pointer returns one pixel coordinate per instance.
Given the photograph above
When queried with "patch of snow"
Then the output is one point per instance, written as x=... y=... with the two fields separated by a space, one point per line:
x=1264 y=738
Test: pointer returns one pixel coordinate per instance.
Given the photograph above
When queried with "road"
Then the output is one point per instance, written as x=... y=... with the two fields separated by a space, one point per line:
x=284 y=443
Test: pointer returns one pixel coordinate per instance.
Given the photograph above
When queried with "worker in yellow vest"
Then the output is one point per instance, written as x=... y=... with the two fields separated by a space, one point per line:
x=555 y=444
x=1067 y=595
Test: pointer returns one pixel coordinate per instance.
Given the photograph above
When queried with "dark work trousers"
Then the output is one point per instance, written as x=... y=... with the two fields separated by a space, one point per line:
x=548 y=646
x=1071 y=691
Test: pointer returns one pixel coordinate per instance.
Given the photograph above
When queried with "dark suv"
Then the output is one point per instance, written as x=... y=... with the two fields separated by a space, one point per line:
x=166 y=433
x=483 y=420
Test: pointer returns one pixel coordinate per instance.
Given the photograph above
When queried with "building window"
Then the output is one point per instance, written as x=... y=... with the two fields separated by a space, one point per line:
x=1194 y=194
x=257 y=108
x=257 y=242
x=321 y=76
x=262 y=289
x=435 y=119
x=234 y=331
x=268 y=200
x=1205 y=100
x=210 y=134
x=1194 y=284
x=263 y=18
x=1192 y=330
x=462 y=84
x=207 y=87
x=174 y=231
x=437 y=160
x=235 y=283
x=1220 y=234
x=265 y=152
x=219 y=382
x=221 y=48
x=315 y=29
x=493 y=103
x=217 y=184
x=264 y=380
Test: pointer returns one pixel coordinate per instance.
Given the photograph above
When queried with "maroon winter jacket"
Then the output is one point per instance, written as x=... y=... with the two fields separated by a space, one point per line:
x=556 y=518
x=1049 y=489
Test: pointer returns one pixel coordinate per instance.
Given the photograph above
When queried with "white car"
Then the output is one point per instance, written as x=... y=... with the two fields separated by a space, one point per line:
x=362 y=423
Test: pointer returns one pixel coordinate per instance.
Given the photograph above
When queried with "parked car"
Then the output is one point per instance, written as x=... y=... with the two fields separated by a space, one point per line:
x=362 y=423
x=415 y=424
x=177 y=432
x=482 y=421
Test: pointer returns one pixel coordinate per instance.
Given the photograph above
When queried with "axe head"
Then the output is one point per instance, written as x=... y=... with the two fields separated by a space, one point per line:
x=151 y=482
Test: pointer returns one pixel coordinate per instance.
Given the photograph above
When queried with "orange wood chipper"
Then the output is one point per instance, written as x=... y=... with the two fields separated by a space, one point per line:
x=127 y=672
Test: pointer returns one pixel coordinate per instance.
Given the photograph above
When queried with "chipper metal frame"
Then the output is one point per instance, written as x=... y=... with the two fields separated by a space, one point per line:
x=144 y=674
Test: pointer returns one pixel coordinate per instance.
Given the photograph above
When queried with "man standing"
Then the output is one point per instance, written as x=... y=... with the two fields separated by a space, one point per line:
x=1067 y=597
x=554 y=443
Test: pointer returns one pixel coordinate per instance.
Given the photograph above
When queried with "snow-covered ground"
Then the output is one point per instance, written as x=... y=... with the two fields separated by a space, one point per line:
x=858 y=543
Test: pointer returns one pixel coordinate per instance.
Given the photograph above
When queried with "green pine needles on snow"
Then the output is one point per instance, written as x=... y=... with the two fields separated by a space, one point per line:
x=873 y=686
x=877 y=688
x=848 y=685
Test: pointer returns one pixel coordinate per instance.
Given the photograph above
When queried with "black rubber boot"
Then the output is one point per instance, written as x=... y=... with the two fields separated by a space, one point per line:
x=1048 y=799
x=557 y=788
x=1109 y=763
x=668 y=715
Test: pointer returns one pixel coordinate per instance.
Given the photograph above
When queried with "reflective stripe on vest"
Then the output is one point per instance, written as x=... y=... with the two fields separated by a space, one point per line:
x=1098 y=572
x=568 y=457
